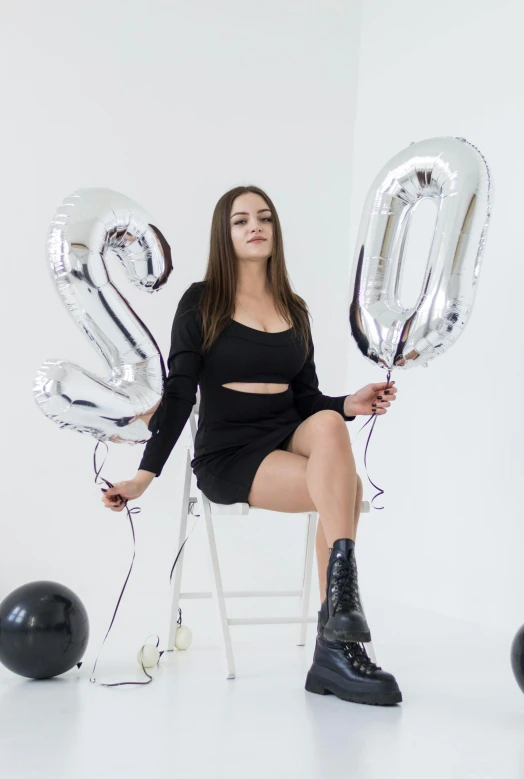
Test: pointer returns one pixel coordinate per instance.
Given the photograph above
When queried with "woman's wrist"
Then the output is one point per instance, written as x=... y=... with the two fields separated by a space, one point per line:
x=144 y=478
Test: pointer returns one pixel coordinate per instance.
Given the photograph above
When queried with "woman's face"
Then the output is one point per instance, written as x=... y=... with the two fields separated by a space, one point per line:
x=251 y=218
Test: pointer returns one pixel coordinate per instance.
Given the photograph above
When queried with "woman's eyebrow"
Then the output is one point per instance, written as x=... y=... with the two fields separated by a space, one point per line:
x=246 y=213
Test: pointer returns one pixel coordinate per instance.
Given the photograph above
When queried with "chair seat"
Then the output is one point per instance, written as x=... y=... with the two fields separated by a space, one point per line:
x=244 y=508
x=229 y=508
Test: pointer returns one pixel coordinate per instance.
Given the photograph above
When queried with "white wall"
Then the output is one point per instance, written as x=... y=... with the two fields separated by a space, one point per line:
x=174 y=104
x=449 y=455
x=171 y=104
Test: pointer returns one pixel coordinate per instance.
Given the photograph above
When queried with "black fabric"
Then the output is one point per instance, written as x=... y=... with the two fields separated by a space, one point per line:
x=236 y=430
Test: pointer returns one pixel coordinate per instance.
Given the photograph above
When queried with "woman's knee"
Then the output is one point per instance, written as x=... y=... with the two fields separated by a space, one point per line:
x=328 y=419
x=321 y=427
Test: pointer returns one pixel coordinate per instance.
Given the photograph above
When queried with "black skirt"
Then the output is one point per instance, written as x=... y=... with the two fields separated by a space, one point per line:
x=227 y=476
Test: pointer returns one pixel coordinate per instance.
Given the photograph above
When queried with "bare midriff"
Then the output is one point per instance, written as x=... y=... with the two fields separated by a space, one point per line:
x=260 y=387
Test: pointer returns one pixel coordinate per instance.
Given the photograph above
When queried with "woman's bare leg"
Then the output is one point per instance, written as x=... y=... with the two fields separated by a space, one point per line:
x=322 y=548
x=321 y=478
x=330 y=474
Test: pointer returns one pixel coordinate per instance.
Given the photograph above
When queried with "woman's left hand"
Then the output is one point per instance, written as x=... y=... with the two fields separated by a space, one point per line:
x=371 y=399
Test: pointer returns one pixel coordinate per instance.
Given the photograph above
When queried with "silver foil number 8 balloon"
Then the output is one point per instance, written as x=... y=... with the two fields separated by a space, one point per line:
x=89 y=226
x=454 y=174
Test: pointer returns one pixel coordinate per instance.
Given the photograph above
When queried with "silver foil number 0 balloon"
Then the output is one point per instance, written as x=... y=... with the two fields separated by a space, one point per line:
x=89 y=226
x=454 y=174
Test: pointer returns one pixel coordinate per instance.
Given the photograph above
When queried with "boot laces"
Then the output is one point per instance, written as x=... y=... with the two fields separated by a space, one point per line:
x=357 y=655
x=345 y=582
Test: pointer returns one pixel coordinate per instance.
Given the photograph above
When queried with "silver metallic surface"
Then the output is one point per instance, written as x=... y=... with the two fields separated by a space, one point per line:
x=86 y=228
x=455 y=175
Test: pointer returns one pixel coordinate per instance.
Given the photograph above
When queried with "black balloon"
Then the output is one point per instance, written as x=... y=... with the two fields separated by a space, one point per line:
x=517 y=657
x=44 y=630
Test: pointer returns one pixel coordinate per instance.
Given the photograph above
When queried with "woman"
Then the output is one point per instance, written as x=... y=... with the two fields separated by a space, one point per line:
x=266 y=434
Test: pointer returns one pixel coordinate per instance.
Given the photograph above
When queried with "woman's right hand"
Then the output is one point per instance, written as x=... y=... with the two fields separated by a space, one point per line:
x=115 y=497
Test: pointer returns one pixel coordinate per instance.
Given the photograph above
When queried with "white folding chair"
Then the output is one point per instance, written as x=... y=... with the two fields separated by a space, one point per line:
x=218 y=594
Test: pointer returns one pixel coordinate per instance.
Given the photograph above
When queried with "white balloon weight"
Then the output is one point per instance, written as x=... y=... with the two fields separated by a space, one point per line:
x=183 y=637
x=148 y=656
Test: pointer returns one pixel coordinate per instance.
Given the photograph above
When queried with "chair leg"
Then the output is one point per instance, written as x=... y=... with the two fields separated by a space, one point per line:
x=308 y=569
x=177 y=574
x=217 y=589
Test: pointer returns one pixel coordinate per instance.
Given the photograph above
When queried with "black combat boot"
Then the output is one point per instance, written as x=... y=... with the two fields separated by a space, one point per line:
x=346 y=620
x=344 y=669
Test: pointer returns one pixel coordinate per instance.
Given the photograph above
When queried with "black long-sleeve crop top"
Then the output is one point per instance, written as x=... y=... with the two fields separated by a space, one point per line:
x=232 y=357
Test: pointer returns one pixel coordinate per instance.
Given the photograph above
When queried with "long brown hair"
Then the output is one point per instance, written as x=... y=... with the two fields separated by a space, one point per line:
x=217 y=303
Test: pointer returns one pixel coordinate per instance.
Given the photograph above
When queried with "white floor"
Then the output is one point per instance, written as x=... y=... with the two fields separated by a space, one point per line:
x=462 y=714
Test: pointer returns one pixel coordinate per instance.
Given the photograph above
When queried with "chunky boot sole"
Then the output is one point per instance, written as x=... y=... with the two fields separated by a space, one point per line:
x=325 y=682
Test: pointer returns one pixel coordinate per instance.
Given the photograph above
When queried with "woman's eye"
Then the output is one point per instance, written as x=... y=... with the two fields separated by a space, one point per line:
x=264 y=219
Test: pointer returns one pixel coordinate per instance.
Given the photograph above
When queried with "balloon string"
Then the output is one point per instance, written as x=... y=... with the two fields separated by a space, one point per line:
x=134 y=510
x=374 y=418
